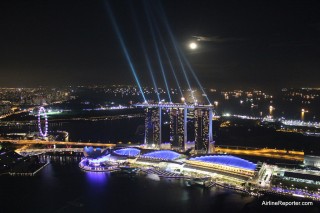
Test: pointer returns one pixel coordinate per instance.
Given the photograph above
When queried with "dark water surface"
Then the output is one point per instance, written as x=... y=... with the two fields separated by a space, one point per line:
x=123 y=130
x=63 y=187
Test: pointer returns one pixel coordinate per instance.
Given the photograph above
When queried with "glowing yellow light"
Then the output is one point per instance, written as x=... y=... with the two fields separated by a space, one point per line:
x=193 y=45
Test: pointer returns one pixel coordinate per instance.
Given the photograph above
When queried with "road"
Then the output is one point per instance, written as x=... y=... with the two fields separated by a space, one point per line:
x=30 y=142
x=268 y=153
x=17 y=112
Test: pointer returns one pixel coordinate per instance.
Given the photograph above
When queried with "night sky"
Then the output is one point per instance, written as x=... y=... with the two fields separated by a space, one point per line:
x=260 y=44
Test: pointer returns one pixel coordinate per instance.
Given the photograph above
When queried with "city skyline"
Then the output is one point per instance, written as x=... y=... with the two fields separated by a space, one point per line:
x=238 y=44
x=164 y=105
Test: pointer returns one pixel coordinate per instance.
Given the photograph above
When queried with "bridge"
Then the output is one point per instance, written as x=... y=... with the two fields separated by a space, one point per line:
x=31 y=142
x=42 y=151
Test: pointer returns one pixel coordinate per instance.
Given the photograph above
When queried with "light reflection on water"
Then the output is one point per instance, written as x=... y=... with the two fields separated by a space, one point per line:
x=96 y=177
x=69 y=189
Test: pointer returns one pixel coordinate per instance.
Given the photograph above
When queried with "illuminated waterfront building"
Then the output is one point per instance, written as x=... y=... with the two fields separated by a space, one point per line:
x=96 y=160
x=226 y=164
x=127 y=152
x=311 y=160
x=312 y=156
x=165 y=155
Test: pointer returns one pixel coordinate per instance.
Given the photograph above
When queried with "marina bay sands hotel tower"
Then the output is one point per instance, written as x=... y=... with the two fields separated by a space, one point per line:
x=199 y=118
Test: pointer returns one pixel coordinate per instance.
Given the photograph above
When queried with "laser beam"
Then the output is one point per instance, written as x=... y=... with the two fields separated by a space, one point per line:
x=144 y=51
x=124 y=48
x=168 y=57
x=195 y=76
x=180 y=54
x=173 y=41
x=157 y=52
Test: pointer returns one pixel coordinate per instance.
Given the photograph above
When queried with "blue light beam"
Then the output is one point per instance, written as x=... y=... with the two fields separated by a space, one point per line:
x=158 y=53
x=166 y=24
x=171 y=66
x=168 y=57
x=195 y=76
x=144 y=51
x=124 y=48
x=179 y=54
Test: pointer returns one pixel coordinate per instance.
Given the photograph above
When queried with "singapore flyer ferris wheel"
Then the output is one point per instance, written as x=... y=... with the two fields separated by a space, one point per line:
x=42 y=113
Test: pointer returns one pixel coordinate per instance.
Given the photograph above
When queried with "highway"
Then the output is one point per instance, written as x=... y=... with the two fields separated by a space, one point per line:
x=27 y=151
x=17 y=112
x=268 y=153
x=30 y=142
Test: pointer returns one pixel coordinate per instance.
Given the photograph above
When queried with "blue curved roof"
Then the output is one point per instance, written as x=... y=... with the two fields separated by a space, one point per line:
x=88 y=149
x=163 y=154
x=99 y=160
x=93 y=153
x=227 y=160
x=128 y=151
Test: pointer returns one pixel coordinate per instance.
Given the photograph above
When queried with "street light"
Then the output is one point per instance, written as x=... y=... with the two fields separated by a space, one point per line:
x=302 y=113
x=271 y=108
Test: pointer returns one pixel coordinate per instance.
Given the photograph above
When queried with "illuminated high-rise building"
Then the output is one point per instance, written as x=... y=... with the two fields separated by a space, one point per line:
x=152 y=126
x=201 y=128
x=177 y=127
x=198 y=116
x=156 y=125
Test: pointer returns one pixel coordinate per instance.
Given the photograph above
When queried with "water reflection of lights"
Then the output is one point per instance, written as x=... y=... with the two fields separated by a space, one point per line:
x=99 y=177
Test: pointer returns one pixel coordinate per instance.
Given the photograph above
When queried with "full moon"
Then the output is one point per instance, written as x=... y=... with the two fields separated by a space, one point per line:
x=193 y=45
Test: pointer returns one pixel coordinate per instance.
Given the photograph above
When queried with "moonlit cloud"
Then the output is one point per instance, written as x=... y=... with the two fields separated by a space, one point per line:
x=216 y=39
